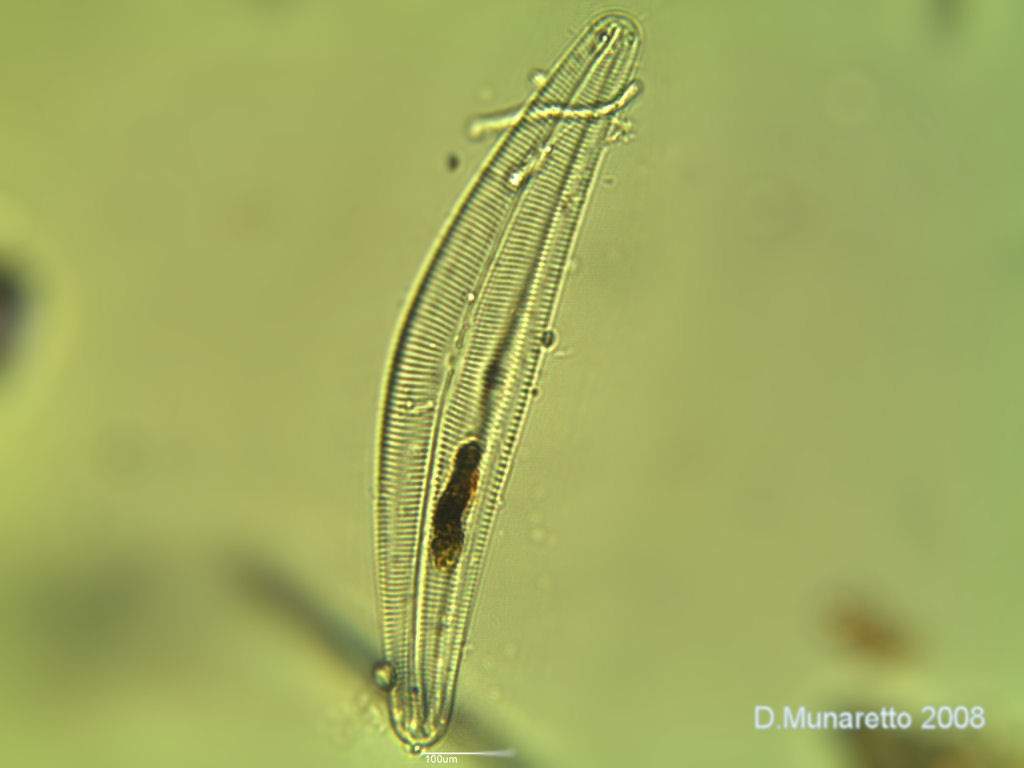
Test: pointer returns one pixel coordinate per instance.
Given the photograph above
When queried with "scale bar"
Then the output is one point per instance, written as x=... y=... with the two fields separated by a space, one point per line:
x=489 y=753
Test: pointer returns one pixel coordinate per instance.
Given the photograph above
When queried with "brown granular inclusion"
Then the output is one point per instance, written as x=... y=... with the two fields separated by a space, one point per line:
x=446 y=545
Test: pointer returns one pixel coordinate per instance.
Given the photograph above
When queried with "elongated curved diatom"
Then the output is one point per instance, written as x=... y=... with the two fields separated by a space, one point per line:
x=466 y=359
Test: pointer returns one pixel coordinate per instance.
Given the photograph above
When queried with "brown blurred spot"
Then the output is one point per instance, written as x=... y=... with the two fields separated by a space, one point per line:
x=858 y=625
x=250 y=216
x=79 y=617
x=452 y=162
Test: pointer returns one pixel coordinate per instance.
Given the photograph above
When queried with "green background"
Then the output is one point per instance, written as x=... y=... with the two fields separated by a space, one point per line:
x=776 y=459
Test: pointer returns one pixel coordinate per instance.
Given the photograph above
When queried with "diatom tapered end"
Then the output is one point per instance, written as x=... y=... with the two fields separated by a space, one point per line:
x=417 y=721
x=620 y=22
x=610 y=47
x=621 y=19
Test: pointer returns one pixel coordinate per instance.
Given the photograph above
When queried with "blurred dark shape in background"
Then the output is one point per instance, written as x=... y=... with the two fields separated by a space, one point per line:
x=910 y=749
x=275 y=590
x=12 y=308
x=947 y=16
x=279 y=594
x=80 y=623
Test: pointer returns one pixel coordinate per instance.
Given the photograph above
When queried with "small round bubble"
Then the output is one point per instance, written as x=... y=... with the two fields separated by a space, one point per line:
x=384 y=675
